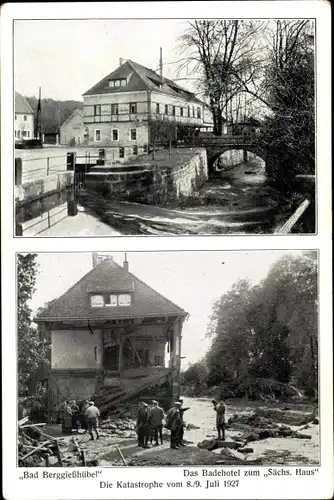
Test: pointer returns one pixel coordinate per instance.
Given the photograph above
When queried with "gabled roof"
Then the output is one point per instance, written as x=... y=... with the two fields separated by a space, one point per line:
x=22 y=105
x=108 y=277
x=140 y=78
x=75 y=112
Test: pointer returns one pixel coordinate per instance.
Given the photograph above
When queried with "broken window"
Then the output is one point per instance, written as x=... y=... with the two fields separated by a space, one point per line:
x=121 y=152
x=115 y=134
x=133 y=134
x=114 y=109
x=97 y=135
x=97 y=110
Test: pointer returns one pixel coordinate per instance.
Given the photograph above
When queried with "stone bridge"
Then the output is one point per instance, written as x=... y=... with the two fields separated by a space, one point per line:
x=215 y=146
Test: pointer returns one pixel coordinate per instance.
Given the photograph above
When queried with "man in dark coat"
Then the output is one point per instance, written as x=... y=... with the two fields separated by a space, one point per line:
x=220 y=410
x=143 y=424
x=173 y=423
x=157 y=416
x=181 y=429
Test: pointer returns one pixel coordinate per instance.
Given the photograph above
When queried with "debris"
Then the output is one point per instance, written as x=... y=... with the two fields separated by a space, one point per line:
x=246 y=450
x=121 y=455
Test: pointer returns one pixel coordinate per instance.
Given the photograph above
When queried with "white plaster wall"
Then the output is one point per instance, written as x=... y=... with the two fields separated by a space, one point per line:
x=73 y=349
x=74 y=128
x=24 y=125
x=123 y=134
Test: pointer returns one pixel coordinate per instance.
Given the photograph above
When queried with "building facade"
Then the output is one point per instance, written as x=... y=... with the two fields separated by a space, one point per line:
x=23 y=119
x=119 y=111
x=72 y=131
x=111 y=332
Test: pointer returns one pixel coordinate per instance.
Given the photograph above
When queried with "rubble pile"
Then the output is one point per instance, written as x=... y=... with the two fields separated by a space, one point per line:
x=261 y=425
x=37 y=449
x=124 y=427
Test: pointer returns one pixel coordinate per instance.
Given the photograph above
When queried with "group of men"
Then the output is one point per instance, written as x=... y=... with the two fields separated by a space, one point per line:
x=71 y=417
x=151 y=419
x=150 y=423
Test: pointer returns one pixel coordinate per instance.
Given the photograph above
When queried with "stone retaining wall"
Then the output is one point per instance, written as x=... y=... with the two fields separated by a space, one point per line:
x=152 y=183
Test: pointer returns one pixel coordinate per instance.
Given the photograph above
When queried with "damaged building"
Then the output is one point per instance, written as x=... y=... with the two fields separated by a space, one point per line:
x=111 y=334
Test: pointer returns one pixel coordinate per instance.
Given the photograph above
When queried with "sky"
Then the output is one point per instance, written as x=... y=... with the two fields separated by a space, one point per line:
x=66 y=58
x=192 y=280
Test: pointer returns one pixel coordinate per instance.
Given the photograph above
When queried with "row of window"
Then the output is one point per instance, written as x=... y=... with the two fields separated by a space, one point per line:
x=115 y=109
x=24 y=117
x=114 y=300
x=115 y=134
x=117 y=83
x=188 y=111
x=24 y=133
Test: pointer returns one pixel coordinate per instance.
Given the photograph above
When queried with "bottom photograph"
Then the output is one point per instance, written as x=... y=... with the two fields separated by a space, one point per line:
x=167 y=358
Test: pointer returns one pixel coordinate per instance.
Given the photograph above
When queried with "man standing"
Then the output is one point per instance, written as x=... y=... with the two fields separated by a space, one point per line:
x=83 y=416
x=143 y=424
x=67 y=422
x=220 y=409
x=157 y=415
x=75 y=415
x=92 y=414
x=181 y=430
x=174 y=422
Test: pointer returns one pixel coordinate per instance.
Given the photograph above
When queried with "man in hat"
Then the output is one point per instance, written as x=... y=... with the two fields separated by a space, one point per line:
x=220 y=410
x=157 y=416
x=83 y=416
x=173 y=423
x=181 y=429
x=75 y=415
x=143 y=421
x=93 y=414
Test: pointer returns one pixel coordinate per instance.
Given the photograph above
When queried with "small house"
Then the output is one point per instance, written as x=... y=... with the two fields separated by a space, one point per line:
x=72 y=131
x=111 y=333
x=23 y=119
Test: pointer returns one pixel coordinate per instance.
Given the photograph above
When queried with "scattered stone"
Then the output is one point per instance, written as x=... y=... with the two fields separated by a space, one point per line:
x=246 y=450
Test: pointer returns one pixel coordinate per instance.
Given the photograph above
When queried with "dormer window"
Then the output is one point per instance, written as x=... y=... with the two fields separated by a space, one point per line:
x=124 y=299
x=96 y=301
x=117 y=83
x=111 y=300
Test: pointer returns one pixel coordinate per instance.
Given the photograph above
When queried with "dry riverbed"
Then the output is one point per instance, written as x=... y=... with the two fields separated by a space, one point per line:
x=248 y=438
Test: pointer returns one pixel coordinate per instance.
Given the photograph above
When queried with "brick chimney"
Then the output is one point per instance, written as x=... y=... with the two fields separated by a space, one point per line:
x=120 y=61
x=126 y=264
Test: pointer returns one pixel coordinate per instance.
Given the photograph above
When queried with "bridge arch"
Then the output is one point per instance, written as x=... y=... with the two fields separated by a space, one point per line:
x=214 y=153
x=216 y=146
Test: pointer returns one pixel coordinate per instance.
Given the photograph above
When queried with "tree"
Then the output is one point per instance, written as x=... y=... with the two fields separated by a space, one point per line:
x=268 y=332
x=54 y=113
x=196 y=375
x=161 y=130
x=224 y=53
x=31 y=350
x=289 y=80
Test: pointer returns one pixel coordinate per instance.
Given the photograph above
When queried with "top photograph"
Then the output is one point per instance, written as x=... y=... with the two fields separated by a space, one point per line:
x=163 y=127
